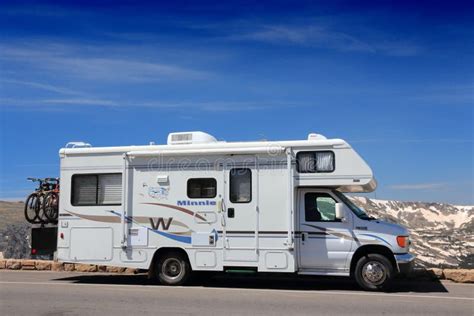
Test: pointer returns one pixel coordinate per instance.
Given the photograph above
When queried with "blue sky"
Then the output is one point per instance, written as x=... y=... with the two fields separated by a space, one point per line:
x=395 y=79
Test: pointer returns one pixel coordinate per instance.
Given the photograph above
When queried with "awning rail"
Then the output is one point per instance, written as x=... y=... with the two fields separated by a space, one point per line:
x=272 y=150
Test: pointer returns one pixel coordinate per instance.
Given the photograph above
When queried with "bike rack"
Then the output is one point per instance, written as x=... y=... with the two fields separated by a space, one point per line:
x=46 y=187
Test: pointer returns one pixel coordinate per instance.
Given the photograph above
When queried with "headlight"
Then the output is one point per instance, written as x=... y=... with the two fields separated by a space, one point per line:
x=402 y=241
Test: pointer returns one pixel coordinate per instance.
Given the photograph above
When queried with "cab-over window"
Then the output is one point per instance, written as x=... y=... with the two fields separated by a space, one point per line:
x=315 y=161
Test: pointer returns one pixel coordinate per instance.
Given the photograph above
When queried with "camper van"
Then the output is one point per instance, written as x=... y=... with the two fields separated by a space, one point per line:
x=199 y=204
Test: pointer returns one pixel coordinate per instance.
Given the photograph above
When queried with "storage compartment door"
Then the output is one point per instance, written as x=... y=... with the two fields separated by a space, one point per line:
x=91 y=244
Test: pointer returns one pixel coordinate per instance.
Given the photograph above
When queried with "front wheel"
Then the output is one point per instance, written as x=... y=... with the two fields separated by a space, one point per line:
x=51 y=206
x=173 y=269
x=374 y=272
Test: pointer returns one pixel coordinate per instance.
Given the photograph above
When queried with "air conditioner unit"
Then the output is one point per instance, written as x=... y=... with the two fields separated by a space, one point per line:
x=186 y=138
x=314 y=136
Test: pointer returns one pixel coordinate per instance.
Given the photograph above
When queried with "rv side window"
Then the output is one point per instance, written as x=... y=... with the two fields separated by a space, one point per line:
x=240 y=185
x=315 y=161
x=96 y=189
x=84 y=190
x=202 y=188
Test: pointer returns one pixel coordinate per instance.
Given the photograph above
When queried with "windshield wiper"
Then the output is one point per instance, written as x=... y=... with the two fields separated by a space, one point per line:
x=366 y=217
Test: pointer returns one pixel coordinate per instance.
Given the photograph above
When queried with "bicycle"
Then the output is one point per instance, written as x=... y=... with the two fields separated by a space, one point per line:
x=36 y=210
x=51 y=201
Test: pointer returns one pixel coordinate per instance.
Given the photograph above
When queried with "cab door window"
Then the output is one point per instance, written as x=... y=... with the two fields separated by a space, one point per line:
x=319 y=207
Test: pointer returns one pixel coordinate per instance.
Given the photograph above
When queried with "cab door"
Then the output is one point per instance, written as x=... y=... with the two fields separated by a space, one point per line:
x=325 y=242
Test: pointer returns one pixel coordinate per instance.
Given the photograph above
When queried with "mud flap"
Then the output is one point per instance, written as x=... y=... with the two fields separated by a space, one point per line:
x=43 y=241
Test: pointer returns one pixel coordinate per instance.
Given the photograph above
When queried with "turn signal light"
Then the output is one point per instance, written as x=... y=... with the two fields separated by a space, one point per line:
x=402 y=241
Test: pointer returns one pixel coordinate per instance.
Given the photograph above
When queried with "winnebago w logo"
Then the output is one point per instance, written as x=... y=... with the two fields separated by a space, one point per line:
x=157 y=222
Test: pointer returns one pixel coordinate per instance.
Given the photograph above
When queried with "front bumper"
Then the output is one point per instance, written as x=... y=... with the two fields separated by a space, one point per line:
x=405 y=263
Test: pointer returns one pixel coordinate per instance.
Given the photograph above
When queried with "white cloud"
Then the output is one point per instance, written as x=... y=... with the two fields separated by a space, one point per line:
x=419 y=186
x=446 y=94
x=48 y=104
x=88 y=63
x=216 y=106
x=122 y=70
x=313 y=35
x=414 y=140
x=307 y=36
x=206 y=106
x=42 y=86
x=94 y=102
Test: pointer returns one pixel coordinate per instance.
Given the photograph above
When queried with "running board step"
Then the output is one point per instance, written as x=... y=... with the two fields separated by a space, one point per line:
x=324 y=272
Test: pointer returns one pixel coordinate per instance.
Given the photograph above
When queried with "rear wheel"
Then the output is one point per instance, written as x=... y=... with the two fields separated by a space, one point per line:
x=32 y=209
x=173 y=269
x=374 y=272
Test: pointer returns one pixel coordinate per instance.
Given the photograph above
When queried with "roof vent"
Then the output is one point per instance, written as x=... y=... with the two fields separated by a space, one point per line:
x=314 y=136
x=78 y=145
x=186 y=138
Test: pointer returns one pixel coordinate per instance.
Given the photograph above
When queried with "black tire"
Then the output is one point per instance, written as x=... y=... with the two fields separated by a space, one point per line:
x=41 y=215
x=172 y=268
x=51 y=206
x=374 y=272
x=32 y=209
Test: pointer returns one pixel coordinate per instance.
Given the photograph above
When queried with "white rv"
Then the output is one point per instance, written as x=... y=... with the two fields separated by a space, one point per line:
x=198 y=204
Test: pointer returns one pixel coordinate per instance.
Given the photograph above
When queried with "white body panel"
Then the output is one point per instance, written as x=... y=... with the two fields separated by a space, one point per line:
x=156 y=212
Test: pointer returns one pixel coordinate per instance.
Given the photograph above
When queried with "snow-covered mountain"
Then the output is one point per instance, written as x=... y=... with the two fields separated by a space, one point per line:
x=442 y=234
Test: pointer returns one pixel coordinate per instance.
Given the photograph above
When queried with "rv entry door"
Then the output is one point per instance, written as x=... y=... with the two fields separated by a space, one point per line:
x=241 y=209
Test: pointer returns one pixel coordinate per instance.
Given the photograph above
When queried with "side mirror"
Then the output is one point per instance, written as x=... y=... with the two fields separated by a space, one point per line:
x=341 y=211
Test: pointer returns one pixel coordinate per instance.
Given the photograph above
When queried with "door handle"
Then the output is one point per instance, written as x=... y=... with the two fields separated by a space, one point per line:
x=230 y=212
x=304 y=236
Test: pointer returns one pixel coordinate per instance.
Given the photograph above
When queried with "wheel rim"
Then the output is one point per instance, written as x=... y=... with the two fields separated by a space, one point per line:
x=41 y=214
x=32 y=209
x=374 y=272
x=51 y=207
x=172 y=268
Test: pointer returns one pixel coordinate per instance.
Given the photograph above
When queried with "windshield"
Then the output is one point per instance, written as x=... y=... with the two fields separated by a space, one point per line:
x=357 y=211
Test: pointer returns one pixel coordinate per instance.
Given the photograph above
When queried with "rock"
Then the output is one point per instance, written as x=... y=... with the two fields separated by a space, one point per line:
x=15 y=241
x=85 y=267
x=69 y=267
x=459 y=275
x=13 y=264
x=57 y=266
x=430 y=274
x=3 y=263
x=101 y=268
x=43 y=265
x=28 y=265
x=115 y=269
x=131 y=271
x=436 y=273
